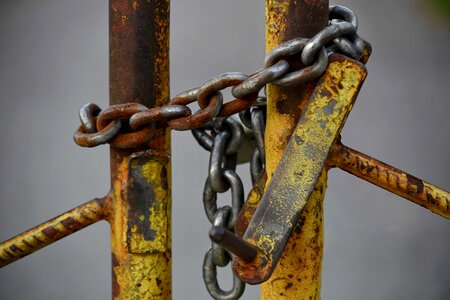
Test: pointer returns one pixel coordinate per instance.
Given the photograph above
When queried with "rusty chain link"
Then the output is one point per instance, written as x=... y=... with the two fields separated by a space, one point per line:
x=132 y=125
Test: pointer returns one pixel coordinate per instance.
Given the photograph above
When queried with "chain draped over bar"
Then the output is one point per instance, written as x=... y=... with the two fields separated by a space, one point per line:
x=282 y=67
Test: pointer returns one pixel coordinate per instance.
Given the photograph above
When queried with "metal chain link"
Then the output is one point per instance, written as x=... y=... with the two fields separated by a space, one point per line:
x=132 y=125
x=223 y=138
x=254 y=119
x=223 y=141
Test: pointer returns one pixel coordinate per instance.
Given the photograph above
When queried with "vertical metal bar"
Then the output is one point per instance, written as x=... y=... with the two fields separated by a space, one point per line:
x=140 y=217
x=298 y=273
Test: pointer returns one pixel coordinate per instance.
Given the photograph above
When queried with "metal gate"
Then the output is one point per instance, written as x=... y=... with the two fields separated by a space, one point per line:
x=138 y=206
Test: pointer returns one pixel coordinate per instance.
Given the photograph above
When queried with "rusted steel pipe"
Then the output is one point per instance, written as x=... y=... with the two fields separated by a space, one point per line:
x=51 y=231
x=298 y=273
x=232 y=243
x=391 y=179
x=139 y=61
x=140 y=179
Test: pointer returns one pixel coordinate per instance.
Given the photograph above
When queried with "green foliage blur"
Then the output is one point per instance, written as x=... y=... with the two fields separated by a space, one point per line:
x=443 y=6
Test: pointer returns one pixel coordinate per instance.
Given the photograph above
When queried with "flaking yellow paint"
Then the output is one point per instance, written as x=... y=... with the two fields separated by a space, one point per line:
x=298 y=273
x=145 y=275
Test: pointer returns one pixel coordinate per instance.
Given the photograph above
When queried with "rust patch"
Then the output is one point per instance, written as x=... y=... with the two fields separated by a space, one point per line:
x=141 y=197
x=431 y=199
x=115 y=284
x=296 y=176
x=14 y=248
x=391 y=179
x=71 y=224
x=415 y=182
x=250 y=205
x=50 y=232
x=147 y=194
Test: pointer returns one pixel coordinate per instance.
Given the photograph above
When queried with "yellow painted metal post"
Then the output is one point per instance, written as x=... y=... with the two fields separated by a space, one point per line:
x=141 y=195
x=140 y=228
x=298 y=273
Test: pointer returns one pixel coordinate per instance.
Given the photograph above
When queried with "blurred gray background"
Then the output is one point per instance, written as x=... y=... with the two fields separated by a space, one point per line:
x=54 y=58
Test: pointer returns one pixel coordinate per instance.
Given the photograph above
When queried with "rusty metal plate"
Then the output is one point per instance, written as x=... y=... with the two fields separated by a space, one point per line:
x=301 y=166
x=148 y=188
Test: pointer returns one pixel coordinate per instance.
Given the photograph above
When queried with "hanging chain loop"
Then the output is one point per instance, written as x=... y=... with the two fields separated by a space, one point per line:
x=223 y=138
x=218 y=137
x=221 y=257
x=212 y=285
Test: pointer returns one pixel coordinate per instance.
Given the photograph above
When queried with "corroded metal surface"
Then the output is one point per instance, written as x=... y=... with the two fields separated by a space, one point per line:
x=304 y=158
x=138 y=51
x=139 y=57
x=148 y=192
x=298 y=273
x=51 y=231
x=232 y=243
x=250 y=205
x=138 y=206
x=283 y=21
x=391 y=179
x=140 y=227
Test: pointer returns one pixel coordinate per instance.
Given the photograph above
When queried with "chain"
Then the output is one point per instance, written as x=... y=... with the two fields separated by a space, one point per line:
x=132 y=125
x=223 y=138
x=254 y=119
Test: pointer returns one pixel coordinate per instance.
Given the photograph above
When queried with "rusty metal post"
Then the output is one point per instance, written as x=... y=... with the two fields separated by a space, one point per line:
x=140 y=216
x=298 y=273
